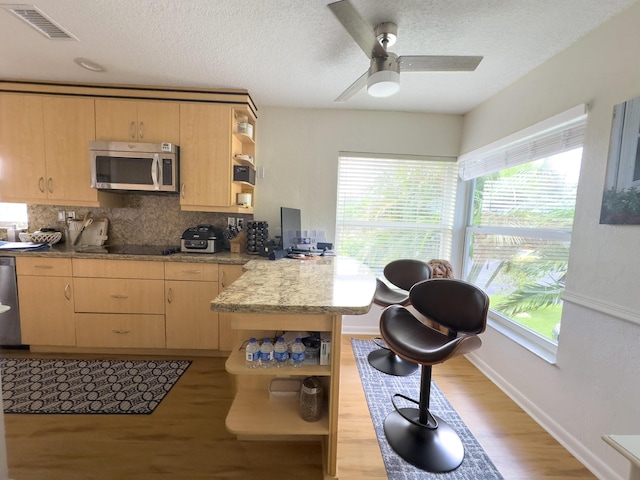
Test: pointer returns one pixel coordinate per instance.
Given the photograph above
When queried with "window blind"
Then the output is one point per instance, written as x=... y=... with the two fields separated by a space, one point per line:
x=391 y=207
x=558 y=134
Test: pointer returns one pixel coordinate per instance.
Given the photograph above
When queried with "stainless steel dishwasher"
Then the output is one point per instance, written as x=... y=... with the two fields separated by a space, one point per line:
x=9 y=320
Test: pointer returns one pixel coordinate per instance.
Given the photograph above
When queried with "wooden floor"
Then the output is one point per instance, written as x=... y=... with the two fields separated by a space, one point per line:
x=185 y=437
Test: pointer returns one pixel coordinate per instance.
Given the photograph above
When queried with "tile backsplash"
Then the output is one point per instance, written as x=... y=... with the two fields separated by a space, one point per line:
x=143 y=220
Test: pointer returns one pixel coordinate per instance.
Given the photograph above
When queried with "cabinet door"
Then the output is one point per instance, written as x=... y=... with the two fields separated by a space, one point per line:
x=138 y=121
x=116 y=120
x=159 y=122
x=69 y=126
x=228 y=274
x=205 y=155
x=46 y=310
x=22 y=163
x=190 y=323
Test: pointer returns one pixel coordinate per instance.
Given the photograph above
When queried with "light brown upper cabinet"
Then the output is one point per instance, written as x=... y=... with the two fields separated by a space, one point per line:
x=144 y=121
x=22 y=161
x=209 y=143
x=44 y=145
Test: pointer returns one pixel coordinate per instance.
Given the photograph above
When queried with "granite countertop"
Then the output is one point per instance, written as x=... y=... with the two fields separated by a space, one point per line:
x=324 y=285
x=62 y=251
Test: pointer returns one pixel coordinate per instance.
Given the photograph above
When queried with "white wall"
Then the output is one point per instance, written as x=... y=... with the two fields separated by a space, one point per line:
x=299 y=148
x=593 y=389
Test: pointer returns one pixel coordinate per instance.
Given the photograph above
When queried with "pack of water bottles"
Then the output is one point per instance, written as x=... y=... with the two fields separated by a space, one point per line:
x=267 y=354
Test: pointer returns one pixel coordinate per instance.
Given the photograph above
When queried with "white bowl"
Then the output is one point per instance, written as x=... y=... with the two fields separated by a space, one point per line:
x=41 y=237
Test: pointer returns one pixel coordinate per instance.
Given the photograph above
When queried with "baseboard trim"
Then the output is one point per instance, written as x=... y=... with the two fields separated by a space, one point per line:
x=360 y=330
x=568 y=441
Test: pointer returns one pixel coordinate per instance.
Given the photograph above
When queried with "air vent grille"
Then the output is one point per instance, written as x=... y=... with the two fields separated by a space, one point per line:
x=38 y=20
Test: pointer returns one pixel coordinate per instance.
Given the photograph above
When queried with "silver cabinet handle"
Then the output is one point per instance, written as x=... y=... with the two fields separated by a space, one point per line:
x=141 y=130
x=50 y=185
x=120 y=297
x=41 y=184
x=192 y=272
x=132 y=130
x=121 y=332
x=182 y=190
x=169 y=295
x=67 y=291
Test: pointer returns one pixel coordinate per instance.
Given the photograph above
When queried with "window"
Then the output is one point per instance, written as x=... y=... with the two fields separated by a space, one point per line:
x=13 y=213
x=392 y=207
x=519 y=228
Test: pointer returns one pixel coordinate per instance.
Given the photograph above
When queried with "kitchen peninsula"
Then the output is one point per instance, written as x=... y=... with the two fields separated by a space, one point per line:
x=291 y=295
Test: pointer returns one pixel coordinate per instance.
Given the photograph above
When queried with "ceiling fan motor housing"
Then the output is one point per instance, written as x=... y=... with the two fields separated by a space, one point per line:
x=384 y=76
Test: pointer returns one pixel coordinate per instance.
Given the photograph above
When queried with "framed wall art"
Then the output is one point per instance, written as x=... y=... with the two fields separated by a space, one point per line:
x=621 y=196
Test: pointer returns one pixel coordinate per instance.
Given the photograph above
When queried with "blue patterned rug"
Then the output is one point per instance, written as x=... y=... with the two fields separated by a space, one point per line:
x=378 y=389
x=39 y=386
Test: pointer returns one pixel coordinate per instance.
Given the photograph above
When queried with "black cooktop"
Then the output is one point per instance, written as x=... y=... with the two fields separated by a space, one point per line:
x=132 y=249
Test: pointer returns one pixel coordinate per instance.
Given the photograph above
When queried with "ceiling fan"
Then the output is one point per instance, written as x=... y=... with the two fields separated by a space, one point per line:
x=383 y=77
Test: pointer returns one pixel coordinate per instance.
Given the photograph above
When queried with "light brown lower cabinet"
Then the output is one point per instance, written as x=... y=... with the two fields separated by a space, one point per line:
x=120 y=330
x=189 y=289
x=45 y=293
x=94 y=303
x=228 y=275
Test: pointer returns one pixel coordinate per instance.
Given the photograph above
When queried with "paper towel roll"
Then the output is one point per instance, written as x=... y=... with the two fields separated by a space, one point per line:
x=244 y=199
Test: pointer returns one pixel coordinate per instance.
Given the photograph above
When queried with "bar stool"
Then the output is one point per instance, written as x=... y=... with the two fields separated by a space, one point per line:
x=418 y=436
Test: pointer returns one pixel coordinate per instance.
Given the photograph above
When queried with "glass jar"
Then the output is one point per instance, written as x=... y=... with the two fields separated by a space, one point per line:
x=311 y=399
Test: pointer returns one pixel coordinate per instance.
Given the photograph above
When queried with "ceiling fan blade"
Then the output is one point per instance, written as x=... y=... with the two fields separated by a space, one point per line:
x=359 y=30
x=438 y=63
x=356 y=86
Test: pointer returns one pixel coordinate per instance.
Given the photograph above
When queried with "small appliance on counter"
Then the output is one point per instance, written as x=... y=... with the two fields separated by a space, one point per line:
x=202 y=239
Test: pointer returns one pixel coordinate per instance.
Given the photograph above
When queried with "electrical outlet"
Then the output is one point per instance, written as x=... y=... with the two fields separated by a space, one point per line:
x=62 y=216
x=240 y=223
x=231 y=221
x=71 y=215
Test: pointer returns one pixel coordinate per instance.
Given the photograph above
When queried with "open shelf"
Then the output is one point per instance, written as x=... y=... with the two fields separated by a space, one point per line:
x=253 y=413
x=236 y=365
x=243 y=137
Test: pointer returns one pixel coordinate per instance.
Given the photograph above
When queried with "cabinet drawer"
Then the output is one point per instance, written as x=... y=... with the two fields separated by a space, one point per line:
x=124 y=331
x=118 y=295
x=205 y=272
x=43 y=267
x=117 y=268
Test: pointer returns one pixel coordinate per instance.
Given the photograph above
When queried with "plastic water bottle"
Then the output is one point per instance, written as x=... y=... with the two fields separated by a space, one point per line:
x=297 y=353
x=266 y=353
x=281 y=353
x=252 y=353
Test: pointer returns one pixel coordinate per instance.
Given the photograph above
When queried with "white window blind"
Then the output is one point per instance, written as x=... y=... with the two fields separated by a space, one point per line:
x=392 y=207
x=561 y=133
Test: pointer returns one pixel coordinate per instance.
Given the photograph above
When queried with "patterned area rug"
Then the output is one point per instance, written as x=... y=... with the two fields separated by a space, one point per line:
x=87 y=386
x=378 y=389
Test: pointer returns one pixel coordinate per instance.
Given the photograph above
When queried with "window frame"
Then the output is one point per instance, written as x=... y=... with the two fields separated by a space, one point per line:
x=520 y=334
x=19 y=223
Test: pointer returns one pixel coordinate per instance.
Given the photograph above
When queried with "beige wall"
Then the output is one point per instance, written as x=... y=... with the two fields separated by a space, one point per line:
x=593 y=389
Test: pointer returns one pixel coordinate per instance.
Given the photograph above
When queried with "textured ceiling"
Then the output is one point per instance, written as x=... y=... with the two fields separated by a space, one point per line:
x=295 y=52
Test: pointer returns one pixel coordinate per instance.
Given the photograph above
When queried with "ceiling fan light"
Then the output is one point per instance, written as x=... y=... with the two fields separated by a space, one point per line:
x=383 y=83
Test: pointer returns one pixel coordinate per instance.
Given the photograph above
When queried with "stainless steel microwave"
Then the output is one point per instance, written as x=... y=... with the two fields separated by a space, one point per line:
x=135 y=167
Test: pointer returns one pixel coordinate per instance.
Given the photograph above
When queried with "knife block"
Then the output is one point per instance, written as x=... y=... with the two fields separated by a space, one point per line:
x=238 y=244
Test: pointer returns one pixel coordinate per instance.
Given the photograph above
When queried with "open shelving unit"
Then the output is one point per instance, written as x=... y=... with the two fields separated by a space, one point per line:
x=253 y=414
x=243 y=144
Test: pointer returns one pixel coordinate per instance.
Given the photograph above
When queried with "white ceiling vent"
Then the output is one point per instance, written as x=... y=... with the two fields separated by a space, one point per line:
x=38 y=20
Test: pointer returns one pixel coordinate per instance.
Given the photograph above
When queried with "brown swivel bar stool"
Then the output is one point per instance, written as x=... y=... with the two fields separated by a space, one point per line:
x=403 y=273
x=421 y=438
